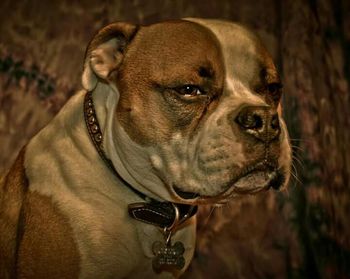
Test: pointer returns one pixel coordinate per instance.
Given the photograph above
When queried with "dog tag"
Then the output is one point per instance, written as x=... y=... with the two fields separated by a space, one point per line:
x=168 y=256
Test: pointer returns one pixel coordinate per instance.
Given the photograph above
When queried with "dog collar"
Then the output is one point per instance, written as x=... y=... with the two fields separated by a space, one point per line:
x=161 y=214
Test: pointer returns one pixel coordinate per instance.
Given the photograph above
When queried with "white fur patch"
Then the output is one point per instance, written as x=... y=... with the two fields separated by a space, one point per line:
x=156 y=161
x=62 y=163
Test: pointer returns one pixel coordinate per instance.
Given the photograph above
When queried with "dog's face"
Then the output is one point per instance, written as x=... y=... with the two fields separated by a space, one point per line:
x=201 y=99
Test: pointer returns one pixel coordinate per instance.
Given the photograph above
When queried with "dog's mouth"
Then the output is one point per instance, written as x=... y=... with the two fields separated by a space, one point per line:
x=252 y=180
x=185 y=195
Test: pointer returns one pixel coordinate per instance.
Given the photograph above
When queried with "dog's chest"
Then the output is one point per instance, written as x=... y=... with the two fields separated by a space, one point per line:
x=109 y=242
x=117 y=246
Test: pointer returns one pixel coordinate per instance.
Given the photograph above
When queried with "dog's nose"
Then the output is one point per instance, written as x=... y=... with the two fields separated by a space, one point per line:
x=260 y=122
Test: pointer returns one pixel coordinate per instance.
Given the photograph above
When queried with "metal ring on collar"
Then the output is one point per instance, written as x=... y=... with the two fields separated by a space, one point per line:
x=176 y=218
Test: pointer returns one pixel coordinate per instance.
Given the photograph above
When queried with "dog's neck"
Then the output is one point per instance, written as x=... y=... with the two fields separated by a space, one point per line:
x=164 y=214
x=105 y=98
x=130 y=160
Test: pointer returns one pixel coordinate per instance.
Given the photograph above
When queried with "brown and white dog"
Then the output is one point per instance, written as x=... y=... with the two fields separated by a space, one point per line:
x=189 y=113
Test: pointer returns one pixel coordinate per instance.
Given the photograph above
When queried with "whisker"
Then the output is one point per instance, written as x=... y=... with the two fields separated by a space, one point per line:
x=299 y=157
x=295 y=175
x=299 y=161
x=296 y=178
x=296 y=139
x=295 y=147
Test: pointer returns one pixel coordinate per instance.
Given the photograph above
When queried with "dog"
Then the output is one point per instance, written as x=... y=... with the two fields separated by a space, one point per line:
x=173 y=115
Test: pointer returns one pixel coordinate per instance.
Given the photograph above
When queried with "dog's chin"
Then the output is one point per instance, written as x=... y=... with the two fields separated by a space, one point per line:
x=253 y=182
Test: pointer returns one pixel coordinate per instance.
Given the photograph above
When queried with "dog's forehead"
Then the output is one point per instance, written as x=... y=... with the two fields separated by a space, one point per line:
x=246 y=58
x=170 y=39
x=178 y=47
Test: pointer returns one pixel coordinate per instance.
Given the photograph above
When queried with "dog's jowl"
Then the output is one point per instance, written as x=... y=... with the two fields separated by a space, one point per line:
x=172 y=116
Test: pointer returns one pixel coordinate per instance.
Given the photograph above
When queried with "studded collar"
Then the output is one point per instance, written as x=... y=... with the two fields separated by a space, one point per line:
x=161 y=214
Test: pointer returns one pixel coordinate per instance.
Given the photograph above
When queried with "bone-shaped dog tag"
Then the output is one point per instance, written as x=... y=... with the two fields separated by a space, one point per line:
x=168 y=256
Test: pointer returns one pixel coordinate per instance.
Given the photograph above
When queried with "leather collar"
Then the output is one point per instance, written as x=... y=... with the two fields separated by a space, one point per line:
x=161 y=214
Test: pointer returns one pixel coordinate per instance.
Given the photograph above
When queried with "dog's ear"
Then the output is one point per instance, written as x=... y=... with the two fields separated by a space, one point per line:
x=105 y=52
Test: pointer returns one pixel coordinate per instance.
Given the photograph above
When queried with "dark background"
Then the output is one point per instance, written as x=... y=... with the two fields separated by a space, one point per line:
x=301 y=232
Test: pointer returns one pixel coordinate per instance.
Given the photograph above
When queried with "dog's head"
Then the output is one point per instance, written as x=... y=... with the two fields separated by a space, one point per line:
x=196 y=115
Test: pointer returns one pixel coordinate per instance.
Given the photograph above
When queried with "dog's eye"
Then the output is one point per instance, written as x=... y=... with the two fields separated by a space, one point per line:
x=189 y=90
x=275 y=90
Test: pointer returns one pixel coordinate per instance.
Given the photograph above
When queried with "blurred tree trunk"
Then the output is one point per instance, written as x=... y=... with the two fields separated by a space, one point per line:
x=315 y=55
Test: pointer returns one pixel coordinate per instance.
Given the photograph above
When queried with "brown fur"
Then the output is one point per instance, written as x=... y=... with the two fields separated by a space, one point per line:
x=12 y=191
x=35 y=238
x=143 y=76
